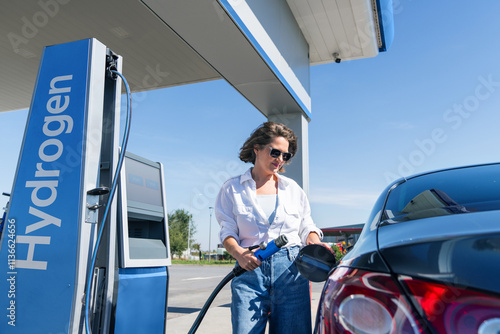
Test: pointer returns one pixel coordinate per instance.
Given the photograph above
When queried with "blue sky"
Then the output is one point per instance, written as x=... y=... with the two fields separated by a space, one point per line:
x=432 y=101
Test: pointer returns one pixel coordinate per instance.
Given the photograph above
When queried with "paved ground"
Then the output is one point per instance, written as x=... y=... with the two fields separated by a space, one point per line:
x=191 y=285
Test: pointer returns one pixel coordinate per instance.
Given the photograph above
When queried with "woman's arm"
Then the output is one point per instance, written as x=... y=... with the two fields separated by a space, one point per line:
x=225 y=216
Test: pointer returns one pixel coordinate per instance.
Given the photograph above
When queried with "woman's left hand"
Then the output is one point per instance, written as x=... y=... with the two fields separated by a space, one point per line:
x=313 y=239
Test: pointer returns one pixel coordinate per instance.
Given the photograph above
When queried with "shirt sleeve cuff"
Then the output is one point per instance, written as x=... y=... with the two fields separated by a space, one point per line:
x=307 y=231
x=223 y=234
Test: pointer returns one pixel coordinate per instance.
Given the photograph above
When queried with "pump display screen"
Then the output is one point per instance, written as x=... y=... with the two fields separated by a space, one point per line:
x=143 y=183
x=145 y=236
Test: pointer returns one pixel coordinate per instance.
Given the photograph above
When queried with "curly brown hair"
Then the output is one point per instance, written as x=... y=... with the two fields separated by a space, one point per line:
x=263 y=136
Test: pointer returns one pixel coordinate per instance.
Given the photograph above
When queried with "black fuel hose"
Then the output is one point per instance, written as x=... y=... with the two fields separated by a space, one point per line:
x=237 y=271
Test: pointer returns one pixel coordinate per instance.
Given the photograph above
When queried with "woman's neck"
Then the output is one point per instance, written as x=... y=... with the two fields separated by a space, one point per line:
x=266 y=183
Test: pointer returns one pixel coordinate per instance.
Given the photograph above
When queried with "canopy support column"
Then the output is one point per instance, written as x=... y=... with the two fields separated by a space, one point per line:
x=299 y=167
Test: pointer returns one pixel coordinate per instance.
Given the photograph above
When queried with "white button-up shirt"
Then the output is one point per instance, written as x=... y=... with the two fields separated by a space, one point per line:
x=241 y=217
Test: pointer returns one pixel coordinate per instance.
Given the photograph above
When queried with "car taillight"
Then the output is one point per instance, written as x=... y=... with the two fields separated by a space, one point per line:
x=454 y=310
x=358 y=301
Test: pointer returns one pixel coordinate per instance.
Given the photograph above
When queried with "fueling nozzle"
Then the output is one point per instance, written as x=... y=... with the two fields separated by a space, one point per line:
x=271 y=248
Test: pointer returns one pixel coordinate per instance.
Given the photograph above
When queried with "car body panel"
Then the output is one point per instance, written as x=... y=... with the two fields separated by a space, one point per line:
x=448 y=229
x=463 y=251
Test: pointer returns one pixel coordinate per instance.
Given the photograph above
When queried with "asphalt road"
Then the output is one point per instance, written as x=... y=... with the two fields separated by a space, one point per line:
x=191 y=285
x=189 y=288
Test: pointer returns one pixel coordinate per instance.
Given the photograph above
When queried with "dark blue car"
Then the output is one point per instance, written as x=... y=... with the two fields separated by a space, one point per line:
x=427 y=260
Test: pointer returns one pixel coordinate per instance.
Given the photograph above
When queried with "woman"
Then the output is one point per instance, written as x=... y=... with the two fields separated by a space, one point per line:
x=259 y=206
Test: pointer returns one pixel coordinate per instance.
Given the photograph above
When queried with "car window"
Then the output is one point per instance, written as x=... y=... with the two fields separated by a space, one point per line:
x=456 y=191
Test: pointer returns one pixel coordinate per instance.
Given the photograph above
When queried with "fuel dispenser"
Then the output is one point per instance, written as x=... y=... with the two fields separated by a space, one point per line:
x=80 y=253
x=144 y=253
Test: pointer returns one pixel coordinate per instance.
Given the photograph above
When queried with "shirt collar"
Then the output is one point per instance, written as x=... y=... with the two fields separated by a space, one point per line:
x=248 y=176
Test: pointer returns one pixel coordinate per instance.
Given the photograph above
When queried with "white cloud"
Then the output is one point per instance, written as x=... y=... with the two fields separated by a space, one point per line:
x=401 y=125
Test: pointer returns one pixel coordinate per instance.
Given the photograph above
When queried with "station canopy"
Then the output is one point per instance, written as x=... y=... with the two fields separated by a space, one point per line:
x=175 y=42
x=343 y=230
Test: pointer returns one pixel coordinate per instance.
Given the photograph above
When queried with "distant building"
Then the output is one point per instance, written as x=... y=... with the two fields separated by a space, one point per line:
x=339 y=234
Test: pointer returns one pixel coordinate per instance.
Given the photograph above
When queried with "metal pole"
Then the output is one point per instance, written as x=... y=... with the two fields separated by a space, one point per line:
x=189 y=236
x=210 y=235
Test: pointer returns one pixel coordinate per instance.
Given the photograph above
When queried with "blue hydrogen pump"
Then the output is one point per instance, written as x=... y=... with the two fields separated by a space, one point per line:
x=84 y=247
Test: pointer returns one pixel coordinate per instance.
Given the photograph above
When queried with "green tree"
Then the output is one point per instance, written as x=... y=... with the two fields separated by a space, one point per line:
x=179 y=223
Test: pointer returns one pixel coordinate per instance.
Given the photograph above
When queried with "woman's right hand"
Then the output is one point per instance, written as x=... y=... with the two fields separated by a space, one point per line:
x=247 y=260
x=245 y=257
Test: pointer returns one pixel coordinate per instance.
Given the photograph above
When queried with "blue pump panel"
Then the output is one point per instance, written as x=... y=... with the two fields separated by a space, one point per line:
x=39 y=250
x=141 y=301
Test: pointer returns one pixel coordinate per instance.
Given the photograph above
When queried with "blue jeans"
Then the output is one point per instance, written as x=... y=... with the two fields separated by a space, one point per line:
x=275 y=291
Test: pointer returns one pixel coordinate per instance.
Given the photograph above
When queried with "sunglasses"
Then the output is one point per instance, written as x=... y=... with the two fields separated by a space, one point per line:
x=276 y=154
